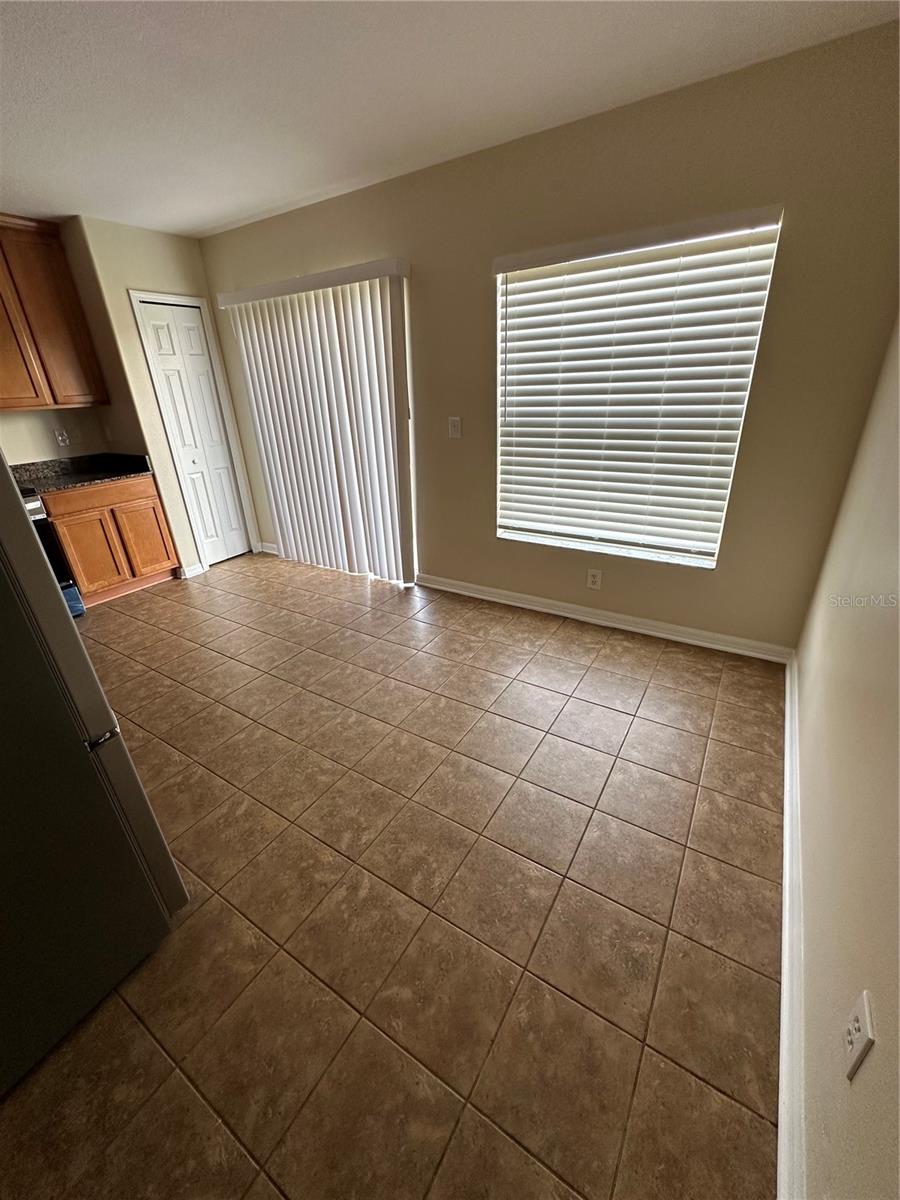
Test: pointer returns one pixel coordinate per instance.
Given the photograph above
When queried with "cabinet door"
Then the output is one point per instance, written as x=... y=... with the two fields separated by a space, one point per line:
x=94 y=550
x=23 y=383
x=142 y=525
x=44 y=285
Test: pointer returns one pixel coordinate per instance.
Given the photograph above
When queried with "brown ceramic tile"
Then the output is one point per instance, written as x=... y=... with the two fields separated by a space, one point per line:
x=454 y=645
x=529 y=704
x=631 y=654
x=173 y=708
x=602 y=954
x=375 y=1127
x=284 y=882
x=651 y=799
x=464 y=790
x=742 y=834
x=222 y=842
x=351 y=814
x=474 y=686
x=412 y=633
x=499 y=897
x=235 y=643
x=560 y=674
x=665 y=749
x=268 y=653
x=688 y=675
x=263 y=1189
x=305 y=667
x=572 y=646
x=357 y=933
x=162 y=651
x=425 y=671
x=483 y=622
x=186 y=797
x=482 y=1161
x=541 y=825
x=537 y=1086
x=264 y=1055
x=592 y=725
x=685 y=1140
x=260 y=696
x=186 y=985
x=187 y=667
x=198 y=893
x=133 y=734
x=383 y=657
x=500 y=742
x=752 y=690
x=346 y=643
x=138 y=691
x=442 y=720
x=242 y=757
x=348 y=737
x=500 y=658
x=612 y=691
x=403 y=761
x=156 y=762
x=568 y=768
x=175 y=1146
x=345 y=683
x=720 y=1020
x=220 y=681
x=444 y=1001
x=744 y=774
x=630 y=865
x=376 y=623
x=69 y=1107
x=301 y=716
x=418 y=853
x=391 y=700
x=294 y=782
x=683 y=710
x=205 y=731
x=752 y=728
x=731 y=911
x=210 y=629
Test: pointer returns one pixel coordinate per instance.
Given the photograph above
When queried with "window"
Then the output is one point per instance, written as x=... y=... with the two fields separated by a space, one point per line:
x=623 y=380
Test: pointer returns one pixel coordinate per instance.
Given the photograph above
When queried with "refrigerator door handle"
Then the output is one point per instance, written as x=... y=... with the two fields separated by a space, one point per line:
x=93 y=744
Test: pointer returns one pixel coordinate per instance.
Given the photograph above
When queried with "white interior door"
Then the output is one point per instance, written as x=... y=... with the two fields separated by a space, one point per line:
x=186 y=388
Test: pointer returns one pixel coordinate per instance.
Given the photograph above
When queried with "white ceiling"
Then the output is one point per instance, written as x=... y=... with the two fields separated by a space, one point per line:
x=194 y=117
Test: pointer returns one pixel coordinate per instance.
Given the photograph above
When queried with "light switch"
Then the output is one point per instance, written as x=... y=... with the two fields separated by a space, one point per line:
x=455 y=427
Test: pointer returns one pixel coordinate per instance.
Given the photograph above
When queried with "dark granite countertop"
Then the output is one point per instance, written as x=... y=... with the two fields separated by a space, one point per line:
x=57 y=474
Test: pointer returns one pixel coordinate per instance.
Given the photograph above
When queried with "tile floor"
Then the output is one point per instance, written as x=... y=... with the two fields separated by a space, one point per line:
x=484 y=903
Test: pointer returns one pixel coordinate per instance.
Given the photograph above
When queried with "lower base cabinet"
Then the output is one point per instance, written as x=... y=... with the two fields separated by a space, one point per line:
x=113 y=534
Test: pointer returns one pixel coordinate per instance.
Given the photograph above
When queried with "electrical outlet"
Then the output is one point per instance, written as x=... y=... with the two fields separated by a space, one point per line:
x=593 y=580
x=62 y=437
x=859 y=1035
x=455 y=427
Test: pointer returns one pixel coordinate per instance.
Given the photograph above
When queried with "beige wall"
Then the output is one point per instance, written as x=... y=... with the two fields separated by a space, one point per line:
x=107 y=259
x=29 y=436
x=816 y=131
x=848 y=791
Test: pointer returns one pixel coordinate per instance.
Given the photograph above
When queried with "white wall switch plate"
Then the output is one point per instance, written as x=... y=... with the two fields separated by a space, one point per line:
x=455 y=427
x=593 y=580
x=859 y=1035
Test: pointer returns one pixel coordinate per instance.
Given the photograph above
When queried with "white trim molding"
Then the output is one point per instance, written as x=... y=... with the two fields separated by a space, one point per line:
x=791 y=1073
x=265 y=548
x=596 y=616
x=192 y=571
x=381 y=268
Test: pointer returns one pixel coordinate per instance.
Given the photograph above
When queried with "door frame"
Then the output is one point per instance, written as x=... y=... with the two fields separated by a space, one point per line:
x=235 y=448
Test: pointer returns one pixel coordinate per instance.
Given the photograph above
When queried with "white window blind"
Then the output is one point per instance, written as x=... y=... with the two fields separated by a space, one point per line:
x=326 y=373
x=623 y=381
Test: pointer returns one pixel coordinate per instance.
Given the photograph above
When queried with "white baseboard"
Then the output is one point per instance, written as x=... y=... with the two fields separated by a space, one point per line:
x=191 y=572
x=791 y=1087
x=265 y=548
x=675 y=633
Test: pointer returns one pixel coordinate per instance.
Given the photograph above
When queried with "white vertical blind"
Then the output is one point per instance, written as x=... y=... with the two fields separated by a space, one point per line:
x=623 y=381
x=322 y=373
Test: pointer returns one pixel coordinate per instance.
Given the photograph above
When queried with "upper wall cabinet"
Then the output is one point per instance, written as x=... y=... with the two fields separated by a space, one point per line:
x=46 y=353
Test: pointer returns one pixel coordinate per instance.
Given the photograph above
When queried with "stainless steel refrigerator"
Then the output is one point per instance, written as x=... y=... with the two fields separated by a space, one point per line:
x=87 y=885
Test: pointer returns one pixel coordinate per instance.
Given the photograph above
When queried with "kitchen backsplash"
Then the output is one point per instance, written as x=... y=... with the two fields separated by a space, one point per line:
x=32 y=436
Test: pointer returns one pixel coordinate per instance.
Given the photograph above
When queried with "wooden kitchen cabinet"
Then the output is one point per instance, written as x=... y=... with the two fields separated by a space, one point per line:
x=114 y=534
x=94 y=549
x=46 y=333
x=143 y=528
